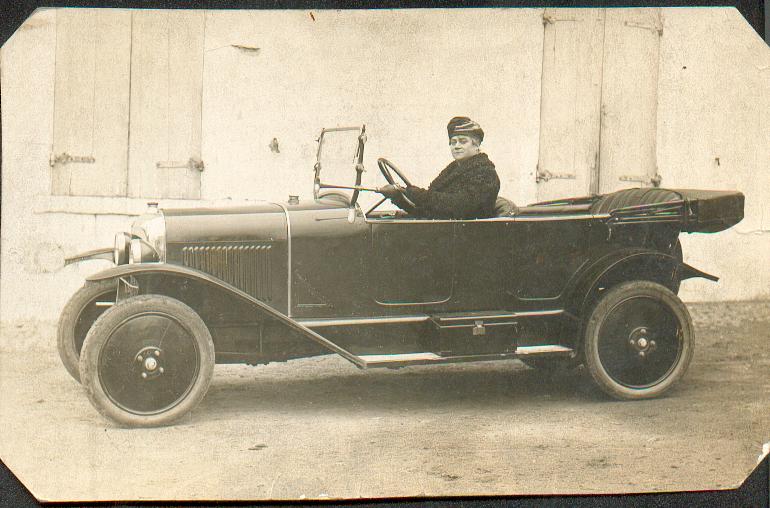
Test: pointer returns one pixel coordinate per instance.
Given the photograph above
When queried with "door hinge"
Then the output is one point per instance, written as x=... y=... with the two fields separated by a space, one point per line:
x=543 y=175
x=550 y=19
x=191 y=163
x=654 y=28
x=65 y=158
x=653 y=180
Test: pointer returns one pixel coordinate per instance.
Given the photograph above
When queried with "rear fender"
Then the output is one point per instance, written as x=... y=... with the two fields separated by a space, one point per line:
x=688 y=272
x=150 y=271
x=631 y=264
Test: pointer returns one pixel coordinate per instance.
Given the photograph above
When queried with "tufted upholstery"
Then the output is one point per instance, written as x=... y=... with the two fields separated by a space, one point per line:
x=633 y=197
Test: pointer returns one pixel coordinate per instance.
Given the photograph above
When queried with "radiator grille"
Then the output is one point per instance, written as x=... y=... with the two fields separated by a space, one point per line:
x=244 y=265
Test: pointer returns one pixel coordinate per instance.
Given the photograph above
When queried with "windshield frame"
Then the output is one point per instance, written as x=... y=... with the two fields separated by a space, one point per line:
x=358 y=164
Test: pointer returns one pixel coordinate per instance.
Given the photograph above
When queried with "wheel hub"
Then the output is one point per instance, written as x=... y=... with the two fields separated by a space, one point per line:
x=639 y=340
x=150 y=364
x=149 y=359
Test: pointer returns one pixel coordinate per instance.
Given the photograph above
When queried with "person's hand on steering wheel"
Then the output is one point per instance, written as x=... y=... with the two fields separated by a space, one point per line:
x=394 y=191
x=391 y=191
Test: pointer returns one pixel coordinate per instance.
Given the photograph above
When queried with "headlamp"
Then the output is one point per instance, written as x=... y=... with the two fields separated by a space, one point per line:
x=120 y=253
x=142 y=252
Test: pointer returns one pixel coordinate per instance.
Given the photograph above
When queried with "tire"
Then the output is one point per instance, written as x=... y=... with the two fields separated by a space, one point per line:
x=76 y=319
x=639 y=340
x=147 y=361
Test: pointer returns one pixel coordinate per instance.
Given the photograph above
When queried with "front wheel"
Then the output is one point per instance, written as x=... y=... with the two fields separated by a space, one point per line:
x=147 y=361
x=639 y=340
x=87 y=304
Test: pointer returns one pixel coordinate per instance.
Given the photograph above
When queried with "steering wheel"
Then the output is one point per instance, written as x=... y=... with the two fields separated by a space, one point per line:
x=387 y=169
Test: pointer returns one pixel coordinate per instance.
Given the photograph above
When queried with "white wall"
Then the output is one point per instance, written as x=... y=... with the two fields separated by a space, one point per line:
x=404 y=74
x=714 y=133
x=400 y=72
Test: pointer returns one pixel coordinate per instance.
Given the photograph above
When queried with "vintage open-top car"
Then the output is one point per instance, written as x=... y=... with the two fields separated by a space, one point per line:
x=590 y=281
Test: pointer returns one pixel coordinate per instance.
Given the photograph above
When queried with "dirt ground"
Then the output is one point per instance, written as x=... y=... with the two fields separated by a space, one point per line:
x=320 y=428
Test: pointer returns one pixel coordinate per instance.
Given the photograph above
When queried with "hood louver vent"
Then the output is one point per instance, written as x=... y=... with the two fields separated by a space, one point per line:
x=244 y=265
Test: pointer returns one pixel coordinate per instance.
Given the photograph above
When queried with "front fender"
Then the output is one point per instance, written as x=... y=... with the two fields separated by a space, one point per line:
x=149 y=268
x=190 y=273
x=184 y=272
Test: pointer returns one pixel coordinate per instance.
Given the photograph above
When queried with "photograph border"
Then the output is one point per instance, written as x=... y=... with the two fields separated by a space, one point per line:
x=756 y=488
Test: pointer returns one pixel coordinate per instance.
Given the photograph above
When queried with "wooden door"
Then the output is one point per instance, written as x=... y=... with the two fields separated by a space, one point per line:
x=166 y=94
x=629 y=99
x=571 y=92
x=90 y=141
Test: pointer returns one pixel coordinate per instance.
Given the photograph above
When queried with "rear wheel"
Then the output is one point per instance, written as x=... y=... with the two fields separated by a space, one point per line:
x=87 y=304
x=147 y=361
x=639 y=340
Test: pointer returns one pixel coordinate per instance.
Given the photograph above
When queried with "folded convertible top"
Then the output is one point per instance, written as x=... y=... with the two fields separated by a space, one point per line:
x=703 y=211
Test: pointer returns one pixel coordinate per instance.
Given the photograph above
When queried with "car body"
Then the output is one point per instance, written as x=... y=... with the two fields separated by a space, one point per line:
x=580 y=281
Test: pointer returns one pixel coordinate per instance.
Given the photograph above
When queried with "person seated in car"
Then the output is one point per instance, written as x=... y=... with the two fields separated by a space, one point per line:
x=466 y=189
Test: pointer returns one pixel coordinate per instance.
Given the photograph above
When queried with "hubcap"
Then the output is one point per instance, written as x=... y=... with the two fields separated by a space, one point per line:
x=639 y=342
x=148 y=357
x=150 y=364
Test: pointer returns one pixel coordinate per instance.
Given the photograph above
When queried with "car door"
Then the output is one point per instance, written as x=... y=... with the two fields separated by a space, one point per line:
x=485 y=271
x=327 y=262
x=412 y=262
x=552 y=251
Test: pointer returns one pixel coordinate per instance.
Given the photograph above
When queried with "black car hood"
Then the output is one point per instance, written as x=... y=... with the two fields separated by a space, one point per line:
x=257 y=207
x=261 y=207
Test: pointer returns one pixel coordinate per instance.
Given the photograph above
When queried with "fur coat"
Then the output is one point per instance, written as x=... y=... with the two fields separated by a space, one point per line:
x=465 y=189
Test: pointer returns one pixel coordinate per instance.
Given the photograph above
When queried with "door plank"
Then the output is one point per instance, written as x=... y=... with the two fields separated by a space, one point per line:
x=166 y=83
x=629 y=97
x=91 y=101
x=571 y=92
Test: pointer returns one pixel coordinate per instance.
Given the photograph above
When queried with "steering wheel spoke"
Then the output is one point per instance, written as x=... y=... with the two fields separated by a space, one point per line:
x=387 y=169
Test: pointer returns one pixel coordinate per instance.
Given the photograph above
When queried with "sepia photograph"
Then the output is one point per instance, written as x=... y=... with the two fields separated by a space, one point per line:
x=394 y=253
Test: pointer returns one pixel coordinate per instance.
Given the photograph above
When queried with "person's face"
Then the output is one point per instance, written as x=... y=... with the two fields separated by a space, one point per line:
x=463 y=147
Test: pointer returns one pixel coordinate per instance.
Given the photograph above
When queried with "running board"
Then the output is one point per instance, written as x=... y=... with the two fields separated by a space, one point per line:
x=403 y=360
x=541 y=350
